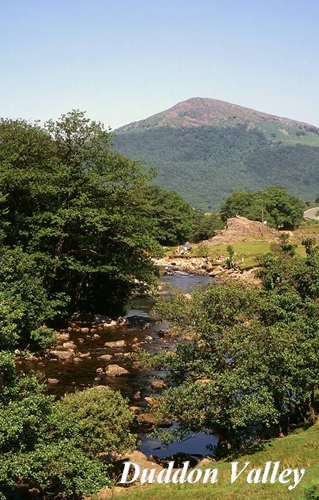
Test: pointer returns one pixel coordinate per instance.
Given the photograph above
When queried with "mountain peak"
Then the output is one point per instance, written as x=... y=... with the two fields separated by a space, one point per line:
x=204 y=111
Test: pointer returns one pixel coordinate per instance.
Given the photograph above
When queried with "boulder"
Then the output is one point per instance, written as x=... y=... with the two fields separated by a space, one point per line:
x=116 y=343
x=105 y=357
x=137 y=395
x=69 y=345
x=53 y=381
x=112 y=323
x=61 y=355
x=152 y=401
x=116 y=371
x=64 y=337
x=158 y=384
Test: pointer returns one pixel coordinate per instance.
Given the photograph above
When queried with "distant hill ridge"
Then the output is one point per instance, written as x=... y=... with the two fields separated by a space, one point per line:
x=205 y=149
x=199 y=111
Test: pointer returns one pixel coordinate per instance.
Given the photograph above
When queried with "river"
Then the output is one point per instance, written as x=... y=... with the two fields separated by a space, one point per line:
x=72 y=375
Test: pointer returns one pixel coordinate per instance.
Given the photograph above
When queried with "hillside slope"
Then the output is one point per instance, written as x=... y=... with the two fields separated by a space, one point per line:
x=205 y=149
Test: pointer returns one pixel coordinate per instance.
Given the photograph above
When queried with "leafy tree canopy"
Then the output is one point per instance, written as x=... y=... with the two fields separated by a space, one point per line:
x=280 y=209
x=76 y=230
x=53 y=446
x=253 y=357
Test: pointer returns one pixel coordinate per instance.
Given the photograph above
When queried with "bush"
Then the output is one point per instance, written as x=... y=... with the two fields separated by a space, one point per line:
x=55 y=446
x=312 y=493
x=98 y=420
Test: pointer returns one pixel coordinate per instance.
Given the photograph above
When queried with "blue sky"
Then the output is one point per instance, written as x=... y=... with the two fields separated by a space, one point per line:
x=124 y=60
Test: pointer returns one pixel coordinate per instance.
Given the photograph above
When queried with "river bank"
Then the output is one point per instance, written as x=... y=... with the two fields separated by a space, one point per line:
x=99 y=352
x=204 y=266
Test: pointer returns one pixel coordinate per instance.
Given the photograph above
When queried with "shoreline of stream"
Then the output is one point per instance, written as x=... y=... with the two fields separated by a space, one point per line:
x=99 y=352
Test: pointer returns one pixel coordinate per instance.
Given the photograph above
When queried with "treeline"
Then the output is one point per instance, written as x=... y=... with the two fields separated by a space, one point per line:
x=206 y=164
x=274 y=206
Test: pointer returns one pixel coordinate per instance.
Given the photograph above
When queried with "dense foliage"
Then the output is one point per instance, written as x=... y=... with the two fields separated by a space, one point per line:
x=176 y=222
x=206 y=164
x=205 y=226
x=53 y=446
x=173 y=217
x=254 y=357
x=76 y=229
x=274 y=205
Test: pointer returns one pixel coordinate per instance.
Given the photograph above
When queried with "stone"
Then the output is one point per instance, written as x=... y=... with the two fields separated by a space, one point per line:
x=134 y=409
x=116 y=343
x=85 y=355
x=96 y=336
x=61 y=355
x=64 y=337
x=80 y=340
x=112 y=323
x=148 y=338
x=100 y=371
x=85 y=330
x=204 y=461
x=158 y=384
x=53 y=381
x=136 y=456
x=105 y=357
x=116 y=371
x=137 y=395
x=152 y=401
x=69 y=345
x=77 y=360
x=152 y=419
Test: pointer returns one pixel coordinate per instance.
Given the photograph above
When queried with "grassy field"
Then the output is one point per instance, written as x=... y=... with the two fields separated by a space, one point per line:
x=298 y=450
x=248 y=252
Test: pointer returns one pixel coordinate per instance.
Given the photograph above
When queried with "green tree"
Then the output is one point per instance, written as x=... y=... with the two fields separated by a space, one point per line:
x=172 y=216
x=67 y=197
x=45 y=446
x=253 y=360
x=205 y=226
x=274 y=205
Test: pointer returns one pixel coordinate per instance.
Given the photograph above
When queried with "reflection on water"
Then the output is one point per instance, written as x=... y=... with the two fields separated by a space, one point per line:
x=195 y=445
x=72 y=375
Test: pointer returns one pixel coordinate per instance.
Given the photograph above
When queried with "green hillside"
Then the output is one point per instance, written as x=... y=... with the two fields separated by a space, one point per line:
x=205 y=152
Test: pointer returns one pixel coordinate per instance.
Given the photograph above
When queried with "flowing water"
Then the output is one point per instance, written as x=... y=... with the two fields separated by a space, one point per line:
x=142 y=330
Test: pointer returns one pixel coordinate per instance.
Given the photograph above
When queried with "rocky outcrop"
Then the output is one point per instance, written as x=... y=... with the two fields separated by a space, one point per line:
x=242 y=229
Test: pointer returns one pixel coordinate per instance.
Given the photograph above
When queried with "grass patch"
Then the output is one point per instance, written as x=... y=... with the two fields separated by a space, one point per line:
x=247 y=253
x=298 y=450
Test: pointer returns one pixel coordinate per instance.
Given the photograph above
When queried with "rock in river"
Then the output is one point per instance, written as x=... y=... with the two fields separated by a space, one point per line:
x=116 y=343
x=62 y=355
x=116 y=371
x=53 y=381
x=105 y=357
